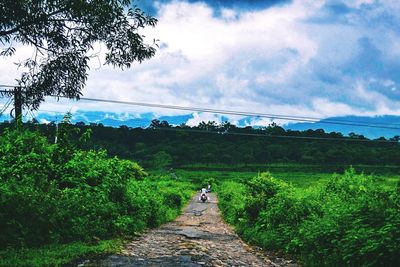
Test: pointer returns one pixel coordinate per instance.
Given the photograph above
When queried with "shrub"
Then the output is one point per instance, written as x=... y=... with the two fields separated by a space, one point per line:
x=56 y=193
x=259 y=190
x=231 y=197
x=352 y=221
x=359 y=225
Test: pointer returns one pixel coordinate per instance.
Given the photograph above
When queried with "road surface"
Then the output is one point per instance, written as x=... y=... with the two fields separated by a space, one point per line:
x=198 y=237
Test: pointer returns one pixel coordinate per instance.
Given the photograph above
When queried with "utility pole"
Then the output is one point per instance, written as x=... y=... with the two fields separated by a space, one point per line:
x=56 y=135
x=16 y=93
x=18 y=104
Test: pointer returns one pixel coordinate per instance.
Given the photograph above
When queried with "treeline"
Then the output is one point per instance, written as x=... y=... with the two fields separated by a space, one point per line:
x=164 y=145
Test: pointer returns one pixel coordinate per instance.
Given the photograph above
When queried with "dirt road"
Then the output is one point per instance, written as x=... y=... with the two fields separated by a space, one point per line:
x=198 y=237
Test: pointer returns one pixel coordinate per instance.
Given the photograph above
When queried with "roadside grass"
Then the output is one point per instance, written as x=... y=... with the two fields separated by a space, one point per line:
x=300 y=175
x=348 y=220
x=168 y=198
x=175 y=195
x=307 y=180
x=57 y=255
x=294 y=167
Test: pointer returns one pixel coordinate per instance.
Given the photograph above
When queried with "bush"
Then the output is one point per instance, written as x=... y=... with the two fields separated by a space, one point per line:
x=260 y=189
x=359 y=225
x=56 y=193
x=349 y=222
x=231 y=197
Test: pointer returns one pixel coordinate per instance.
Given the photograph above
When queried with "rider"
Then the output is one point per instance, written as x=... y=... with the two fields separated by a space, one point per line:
x=203 y=192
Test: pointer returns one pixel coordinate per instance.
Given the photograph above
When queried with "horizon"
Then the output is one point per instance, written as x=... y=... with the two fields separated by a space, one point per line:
x=306 y=58
x=375 y=127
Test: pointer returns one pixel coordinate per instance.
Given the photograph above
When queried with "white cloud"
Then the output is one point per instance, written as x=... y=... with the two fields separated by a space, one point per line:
x=44 y=121
x=206 y=59
x=391 y=6
x=199 y=117
x=358 y=3
x=9 y=70
x=329 y=108
x=228 y=14
x=261 y=61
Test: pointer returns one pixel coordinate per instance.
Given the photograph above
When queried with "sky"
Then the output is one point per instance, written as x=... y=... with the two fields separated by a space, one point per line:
x=318 y=58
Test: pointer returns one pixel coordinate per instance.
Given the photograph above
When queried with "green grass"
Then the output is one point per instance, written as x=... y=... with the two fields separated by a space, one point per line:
x=294 y=167
x=347 y=220
x=302 y=176
x=177 y=193
x=57 y=255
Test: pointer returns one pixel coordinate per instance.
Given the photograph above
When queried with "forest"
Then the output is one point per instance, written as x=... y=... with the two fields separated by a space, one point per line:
x=162 y=145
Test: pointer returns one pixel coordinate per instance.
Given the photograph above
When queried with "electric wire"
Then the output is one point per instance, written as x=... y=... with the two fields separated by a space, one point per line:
x=10 y=86
x=347 y=139
x=225 y=133
x=239 y=113
x=257 y=135
x=5 y=107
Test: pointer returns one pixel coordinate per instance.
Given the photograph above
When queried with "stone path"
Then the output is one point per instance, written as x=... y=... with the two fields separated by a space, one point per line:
x=198 y=237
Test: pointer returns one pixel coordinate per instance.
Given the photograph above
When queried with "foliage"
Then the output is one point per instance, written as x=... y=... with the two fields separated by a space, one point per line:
x=56 y=255
x=260 y=189
x=231 y=200
x=63 y=34
x=350 y=221
x=190 y=148
x=184 y=145
x=55 y=193
x=161 y=160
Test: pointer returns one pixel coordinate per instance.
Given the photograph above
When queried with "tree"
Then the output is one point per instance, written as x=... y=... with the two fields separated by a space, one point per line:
x=209 y=126
x=161 y=160
x=155 y=124
x=63 y=33
x=165 y=124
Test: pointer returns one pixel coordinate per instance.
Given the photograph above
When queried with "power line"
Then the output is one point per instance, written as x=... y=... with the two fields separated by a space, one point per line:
x=267 y=135
x=11 y=86
x=252 y=134
x=5 y=107
x=277 y=136
x=240 y=113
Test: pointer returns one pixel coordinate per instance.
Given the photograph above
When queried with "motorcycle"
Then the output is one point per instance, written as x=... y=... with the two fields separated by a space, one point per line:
x=203 y=197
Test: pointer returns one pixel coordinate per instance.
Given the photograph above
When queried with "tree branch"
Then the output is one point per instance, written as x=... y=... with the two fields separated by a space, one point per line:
x=28 y=23
x=11 y=31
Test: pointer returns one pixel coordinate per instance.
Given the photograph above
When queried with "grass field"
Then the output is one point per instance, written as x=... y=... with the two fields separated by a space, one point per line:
x=57 y=255
x=299 y=175
x=302 y=177
x=349 y=219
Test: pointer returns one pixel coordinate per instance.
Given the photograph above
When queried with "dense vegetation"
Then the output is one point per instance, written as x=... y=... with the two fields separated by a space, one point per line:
x=56 y=193
x=65 y=199
x=348 y=221
x=162 y=145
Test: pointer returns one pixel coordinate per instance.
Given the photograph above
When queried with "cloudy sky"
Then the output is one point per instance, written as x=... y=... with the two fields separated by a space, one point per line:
x=318 y=58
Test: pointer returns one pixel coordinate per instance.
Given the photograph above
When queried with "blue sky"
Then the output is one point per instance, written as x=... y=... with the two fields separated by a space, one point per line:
x=319 y=58
x=238 y=5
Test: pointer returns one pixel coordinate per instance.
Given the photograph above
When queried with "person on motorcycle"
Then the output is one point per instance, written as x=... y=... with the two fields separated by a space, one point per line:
x=209 y=189
x=203 y=195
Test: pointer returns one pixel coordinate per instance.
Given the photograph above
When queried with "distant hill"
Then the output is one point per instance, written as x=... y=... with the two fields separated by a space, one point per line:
x=370 y=132
x=143 y=120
